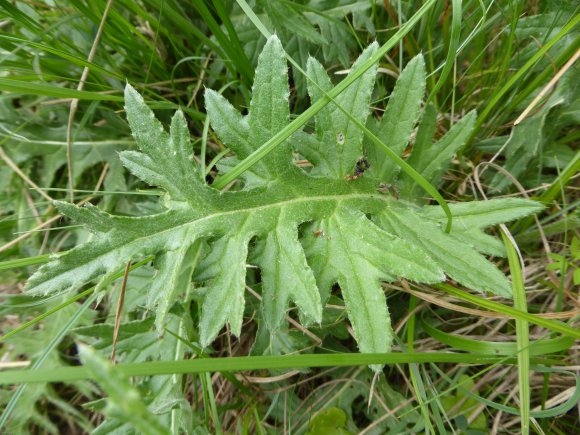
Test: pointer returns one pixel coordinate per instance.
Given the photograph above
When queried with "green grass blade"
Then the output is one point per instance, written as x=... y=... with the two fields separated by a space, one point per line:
x=520 y=73
x=414 y=373
x=522 y=334
x=73 y=59
x=234 y=364
x=553 y=325
x=23 y=262
x=21 y=87
x=453 y=45
x=230 y=45
x=561 y=180
x=538 y=347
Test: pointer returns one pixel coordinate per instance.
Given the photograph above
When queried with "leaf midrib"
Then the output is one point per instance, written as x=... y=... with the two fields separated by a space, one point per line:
x=158 y=234
x=320 y=198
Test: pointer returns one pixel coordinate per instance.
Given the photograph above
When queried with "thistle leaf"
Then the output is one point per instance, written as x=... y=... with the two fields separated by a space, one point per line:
x=397 y=123
x=339 y=143
x=307 y=232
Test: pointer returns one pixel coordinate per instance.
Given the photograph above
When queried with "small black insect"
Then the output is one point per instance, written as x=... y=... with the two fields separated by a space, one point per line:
x=361 y=166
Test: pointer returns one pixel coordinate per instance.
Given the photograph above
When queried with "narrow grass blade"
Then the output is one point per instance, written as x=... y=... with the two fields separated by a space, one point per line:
x=414 y=373
x=73 y=59
x=452 y=50
x=558 y=410
x=519 y=74
x=23 y=262
x=234 y=364
x=538 y=347
x=552 y=325
x=21 y=87
x=522 y=334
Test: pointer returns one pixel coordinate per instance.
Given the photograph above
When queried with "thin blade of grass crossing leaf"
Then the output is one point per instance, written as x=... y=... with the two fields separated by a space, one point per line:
x=295 y=125
x=269 y=111
x=299 y=122
x=313 y=146
x=334 y=129
x=399 y=119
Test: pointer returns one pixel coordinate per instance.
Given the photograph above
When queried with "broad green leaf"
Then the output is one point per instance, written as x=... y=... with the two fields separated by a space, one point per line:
x=174 y=275
x=224 y=301
x=347 y=251
x=482 y=214
x=397 y=123
x=330 y=420
x=286 y=275
x=425 y=133
x=306 y=231
x=339 y=141
x=269 y=110
x=459 y=261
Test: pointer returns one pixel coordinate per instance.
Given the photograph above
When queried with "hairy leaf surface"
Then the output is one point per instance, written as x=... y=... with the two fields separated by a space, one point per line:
x=306 y=231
